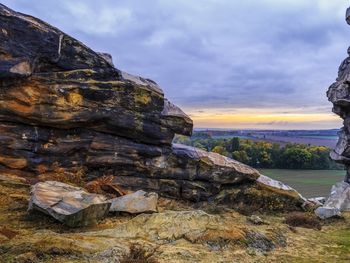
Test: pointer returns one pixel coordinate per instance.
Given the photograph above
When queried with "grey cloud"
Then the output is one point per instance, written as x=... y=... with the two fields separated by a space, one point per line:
x=214 y=54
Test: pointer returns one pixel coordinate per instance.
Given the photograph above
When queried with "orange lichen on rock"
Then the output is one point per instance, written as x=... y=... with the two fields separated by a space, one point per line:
x=13 y=162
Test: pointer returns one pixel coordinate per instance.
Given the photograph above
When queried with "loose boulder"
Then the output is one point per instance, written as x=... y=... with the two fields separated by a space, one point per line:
x=263 y=194
x=68 y=204
x=135 y=203
x=338 y=201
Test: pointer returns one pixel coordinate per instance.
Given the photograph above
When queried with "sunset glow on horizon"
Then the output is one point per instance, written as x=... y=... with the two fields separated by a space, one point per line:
x=264 y=119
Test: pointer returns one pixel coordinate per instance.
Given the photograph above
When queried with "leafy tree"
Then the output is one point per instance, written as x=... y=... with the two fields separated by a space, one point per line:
x=220 y=150
x=241 y=156
x=235 y=145
x=264 y=154
x=296 y=158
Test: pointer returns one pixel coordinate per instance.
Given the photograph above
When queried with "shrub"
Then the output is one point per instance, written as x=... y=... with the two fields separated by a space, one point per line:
x=138 y=254
x=300 y=219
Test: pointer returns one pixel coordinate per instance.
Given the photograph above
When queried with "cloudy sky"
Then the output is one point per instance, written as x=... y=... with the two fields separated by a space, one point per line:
x=227 y=63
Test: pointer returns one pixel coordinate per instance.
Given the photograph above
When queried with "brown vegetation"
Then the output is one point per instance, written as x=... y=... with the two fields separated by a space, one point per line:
x=138 y=254
x=8 y=232
x=300 y=219
x=105 y=185
x=59 y=174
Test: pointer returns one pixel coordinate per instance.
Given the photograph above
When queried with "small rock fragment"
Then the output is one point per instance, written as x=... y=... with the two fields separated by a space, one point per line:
x=256 y=220
x=312 y=203
x=317 y=200
x=259 y=242
x=327 y=212
x=138 y=202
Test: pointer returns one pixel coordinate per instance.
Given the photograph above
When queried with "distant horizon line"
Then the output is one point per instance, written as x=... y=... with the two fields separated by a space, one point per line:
x=257 y=129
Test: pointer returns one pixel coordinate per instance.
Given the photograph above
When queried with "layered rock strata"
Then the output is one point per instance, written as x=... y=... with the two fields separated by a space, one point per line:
x=66 y=111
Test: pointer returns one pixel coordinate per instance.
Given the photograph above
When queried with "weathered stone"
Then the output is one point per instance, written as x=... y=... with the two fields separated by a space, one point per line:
x=68 y=204
x=256 y=220
x=13 y=180
x=108 y=57
x=174 y=118
x=178 y=172
x=338 y=93
x=254 y=197
x=327 y=212
x=317 y=200
x=274 y=184
x=64 y=84
x=135 y=203
x=25 y=38
x=347 y=16
x=338 y=201
x=259 y=242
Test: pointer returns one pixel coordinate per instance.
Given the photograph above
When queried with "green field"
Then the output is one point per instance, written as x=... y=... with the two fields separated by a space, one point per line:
x=310 y=183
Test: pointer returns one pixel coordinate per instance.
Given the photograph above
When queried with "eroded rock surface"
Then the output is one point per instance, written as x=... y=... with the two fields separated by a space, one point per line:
x=338 y=93
x=338 y=201
x=67 y=112
x=68 y=204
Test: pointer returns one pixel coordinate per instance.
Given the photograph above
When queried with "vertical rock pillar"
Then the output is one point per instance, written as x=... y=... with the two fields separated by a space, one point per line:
x=339 y=94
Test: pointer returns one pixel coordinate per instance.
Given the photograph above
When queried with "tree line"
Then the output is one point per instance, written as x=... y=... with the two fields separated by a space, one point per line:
x=261 y=154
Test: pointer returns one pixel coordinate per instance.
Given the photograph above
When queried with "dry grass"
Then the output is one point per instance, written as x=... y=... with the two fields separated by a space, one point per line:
x=105 y=185
x=70 y=177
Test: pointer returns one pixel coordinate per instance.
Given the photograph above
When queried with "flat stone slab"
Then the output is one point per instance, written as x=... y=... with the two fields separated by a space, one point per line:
x=135 y=203
x=72 y=206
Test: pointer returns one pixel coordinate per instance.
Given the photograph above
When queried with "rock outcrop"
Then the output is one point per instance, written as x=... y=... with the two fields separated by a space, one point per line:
x=339 y=94
x=338 y=201
x=66 y=111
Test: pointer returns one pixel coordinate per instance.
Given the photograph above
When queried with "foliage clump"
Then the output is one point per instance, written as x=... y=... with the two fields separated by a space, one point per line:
x=300 y=219
x=138 y=254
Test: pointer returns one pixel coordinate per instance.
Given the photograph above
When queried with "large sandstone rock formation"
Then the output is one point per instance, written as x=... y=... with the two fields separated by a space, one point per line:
x=66 y=111
x=339 y=94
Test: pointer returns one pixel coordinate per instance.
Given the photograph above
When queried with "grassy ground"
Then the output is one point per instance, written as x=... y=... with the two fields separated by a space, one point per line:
x=310 y=183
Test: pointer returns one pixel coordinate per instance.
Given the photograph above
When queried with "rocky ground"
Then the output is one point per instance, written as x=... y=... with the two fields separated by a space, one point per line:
x=180 y=232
